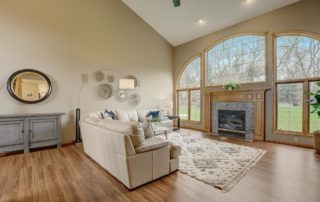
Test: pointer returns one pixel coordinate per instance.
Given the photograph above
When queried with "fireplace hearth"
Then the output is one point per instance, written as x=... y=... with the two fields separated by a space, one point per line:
x=232 y=122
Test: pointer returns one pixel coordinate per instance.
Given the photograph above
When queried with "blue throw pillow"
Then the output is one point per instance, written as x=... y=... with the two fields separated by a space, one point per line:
x=110 y=114
x=155 y=115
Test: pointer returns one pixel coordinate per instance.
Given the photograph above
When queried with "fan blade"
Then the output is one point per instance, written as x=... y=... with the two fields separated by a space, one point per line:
x=176 y=3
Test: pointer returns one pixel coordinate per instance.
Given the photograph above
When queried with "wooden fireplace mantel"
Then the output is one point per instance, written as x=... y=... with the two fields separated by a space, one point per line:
x=257 y=96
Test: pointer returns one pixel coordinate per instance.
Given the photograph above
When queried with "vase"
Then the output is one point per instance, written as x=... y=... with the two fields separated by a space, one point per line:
x=316 y=138
x=230 y=88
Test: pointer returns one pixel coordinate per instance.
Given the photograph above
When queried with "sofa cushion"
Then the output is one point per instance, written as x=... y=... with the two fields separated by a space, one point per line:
x=175 y=150
x=152 y=144
x=137 y=136
x=127 y=115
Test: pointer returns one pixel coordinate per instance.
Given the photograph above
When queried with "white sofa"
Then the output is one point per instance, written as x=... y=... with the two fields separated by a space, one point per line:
x=109 y=143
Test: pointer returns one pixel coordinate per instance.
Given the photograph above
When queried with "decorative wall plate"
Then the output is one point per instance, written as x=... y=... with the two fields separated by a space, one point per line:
x=105 y=91
x=133 y=78
x=120 y=98
x=99 y=75
x=110 y=78
x=134 y=100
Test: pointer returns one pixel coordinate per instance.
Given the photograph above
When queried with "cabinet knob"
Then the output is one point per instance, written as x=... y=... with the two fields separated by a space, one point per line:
x=22 y=131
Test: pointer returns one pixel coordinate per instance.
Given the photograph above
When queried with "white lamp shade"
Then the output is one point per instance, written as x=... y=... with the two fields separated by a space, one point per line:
x=126 y=84
x=168 y=105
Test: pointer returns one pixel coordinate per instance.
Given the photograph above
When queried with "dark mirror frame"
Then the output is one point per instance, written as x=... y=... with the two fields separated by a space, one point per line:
x=13 y=76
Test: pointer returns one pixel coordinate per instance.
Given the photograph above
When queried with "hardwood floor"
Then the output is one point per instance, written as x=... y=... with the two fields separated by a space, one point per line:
x=285 y=173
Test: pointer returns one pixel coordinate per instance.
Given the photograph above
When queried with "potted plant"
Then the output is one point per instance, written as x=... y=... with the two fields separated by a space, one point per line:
x=231 y=86
x=315 y=103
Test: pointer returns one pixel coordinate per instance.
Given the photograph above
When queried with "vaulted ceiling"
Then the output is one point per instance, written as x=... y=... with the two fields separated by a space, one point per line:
x=196 y=18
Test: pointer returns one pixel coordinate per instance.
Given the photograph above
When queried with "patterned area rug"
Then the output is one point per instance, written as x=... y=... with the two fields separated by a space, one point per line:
x=216 y=163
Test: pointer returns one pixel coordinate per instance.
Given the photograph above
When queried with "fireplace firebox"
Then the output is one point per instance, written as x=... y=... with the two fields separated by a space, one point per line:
x=232 y=122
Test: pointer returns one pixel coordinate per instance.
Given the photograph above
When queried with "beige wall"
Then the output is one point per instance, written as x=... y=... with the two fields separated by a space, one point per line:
x=66 y=38
x=304 y=15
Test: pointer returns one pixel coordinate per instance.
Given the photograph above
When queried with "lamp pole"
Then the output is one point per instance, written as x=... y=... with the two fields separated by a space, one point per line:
x=84 y=79
x=78 y=134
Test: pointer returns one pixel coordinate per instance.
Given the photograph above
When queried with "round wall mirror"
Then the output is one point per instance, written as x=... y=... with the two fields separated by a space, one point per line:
x=29 y=86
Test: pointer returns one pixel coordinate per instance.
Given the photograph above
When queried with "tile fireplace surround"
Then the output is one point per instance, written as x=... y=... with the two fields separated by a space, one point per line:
x=248 y=107
x=252 y=101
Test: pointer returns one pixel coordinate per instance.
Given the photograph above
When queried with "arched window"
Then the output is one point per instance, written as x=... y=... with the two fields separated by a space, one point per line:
x=297 y=70
x=239 y=59
x=188 y=91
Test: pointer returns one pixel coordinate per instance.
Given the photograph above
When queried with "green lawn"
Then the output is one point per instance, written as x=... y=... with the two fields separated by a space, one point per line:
x=290 y=119
x=195 y=113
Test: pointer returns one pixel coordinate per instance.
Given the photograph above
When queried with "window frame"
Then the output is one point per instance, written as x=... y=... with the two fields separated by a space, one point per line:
x=188 y=90
x=264 y=34
x=306 y=88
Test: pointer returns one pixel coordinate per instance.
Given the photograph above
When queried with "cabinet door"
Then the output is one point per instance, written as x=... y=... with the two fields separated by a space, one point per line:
x=11 y=132
x=42 y=130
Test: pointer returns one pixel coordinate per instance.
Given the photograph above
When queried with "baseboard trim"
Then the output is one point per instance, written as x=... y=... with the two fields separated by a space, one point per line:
x=291 y=144
x=191 y=128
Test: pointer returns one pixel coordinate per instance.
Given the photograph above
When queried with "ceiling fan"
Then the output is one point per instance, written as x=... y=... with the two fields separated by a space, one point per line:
x=176 y=3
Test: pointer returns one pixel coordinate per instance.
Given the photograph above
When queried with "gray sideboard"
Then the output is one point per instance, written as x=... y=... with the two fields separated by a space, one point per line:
x=28 y=131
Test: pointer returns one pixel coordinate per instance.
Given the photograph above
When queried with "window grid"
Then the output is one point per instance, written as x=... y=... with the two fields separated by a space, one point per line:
x=189 y=92
x=238 y=59
x=289 y=71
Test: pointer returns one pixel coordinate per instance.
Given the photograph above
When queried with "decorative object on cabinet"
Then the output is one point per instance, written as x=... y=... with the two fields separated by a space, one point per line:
x=29 y=131
x=29 y=86
x=104 y=91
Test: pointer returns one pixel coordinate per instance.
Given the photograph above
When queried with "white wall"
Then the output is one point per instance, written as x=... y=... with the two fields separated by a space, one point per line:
x=67 y=38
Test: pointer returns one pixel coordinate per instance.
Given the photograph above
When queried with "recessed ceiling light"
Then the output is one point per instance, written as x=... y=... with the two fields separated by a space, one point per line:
x=249 y=1
x=201 y=22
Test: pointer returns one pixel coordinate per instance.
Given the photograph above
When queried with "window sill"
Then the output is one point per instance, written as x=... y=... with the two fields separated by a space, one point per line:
x=187 y=121
x=295 y=134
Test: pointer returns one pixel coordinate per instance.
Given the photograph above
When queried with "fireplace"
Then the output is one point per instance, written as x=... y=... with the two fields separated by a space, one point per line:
x=234 y=119
x=232 y=122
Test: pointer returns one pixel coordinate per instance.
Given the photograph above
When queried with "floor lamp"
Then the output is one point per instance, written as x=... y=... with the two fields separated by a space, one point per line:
x=84 y=79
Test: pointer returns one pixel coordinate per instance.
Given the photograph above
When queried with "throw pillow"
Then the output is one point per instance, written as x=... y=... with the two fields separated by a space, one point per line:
x=147 y=128
x=155 y=115
x=109 y=114
x=137 y=136
x=105 y=116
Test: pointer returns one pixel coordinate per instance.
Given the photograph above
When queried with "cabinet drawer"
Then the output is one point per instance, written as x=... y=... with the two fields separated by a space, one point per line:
x=11 y=132
x=42 y=130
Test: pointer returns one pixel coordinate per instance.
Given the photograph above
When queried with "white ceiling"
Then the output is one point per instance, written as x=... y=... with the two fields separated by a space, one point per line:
x=179 y=25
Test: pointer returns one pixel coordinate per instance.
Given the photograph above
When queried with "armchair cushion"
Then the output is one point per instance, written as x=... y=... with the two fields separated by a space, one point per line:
x=152 y=144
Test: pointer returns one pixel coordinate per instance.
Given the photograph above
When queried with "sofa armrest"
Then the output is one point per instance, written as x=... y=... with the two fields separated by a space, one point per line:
x=152 y=144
